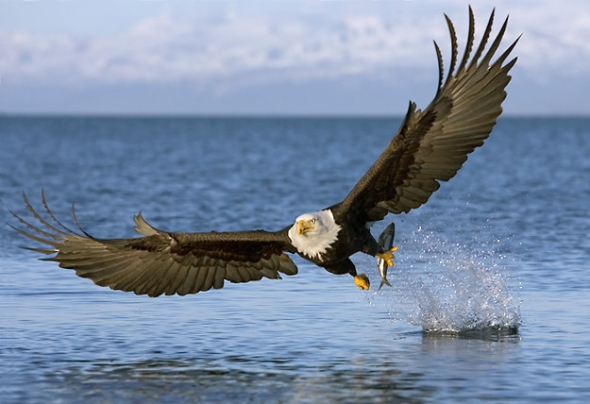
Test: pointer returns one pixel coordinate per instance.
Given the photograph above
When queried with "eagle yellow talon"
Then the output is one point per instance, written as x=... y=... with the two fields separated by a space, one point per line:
x=388 y=256
x=362 y=282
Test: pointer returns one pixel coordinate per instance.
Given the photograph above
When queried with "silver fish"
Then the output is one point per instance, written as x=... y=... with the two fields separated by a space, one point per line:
x=385 y=242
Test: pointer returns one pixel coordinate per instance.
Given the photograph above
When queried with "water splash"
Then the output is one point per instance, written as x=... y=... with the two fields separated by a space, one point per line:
x=456 y=288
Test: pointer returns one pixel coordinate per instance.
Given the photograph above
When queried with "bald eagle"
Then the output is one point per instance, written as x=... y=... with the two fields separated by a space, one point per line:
x=430 y=146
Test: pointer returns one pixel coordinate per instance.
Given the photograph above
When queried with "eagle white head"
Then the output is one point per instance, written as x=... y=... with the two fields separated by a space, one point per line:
x=313 y=233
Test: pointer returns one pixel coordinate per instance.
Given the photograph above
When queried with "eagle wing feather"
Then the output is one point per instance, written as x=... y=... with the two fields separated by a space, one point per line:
x=432 y=145
x=162 y=262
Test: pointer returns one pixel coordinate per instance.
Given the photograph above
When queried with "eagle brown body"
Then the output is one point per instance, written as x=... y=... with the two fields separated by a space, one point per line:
x=430 y=146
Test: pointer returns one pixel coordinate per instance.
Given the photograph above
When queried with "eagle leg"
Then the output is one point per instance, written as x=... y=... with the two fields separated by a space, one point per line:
x=347 y=267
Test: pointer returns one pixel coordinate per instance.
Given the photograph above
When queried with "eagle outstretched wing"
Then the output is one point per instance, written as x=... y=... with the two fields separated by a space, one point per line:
x=162 y=262
x=433 y=144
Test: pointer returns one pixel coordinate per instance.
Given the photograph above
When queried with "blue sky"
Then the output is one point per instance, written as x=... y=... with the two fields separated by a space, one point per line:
x=274 y=57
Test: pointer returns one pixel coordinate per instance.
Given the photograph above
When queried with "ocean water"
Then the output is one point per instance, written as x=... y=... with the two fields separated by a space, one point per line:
x=491 y=290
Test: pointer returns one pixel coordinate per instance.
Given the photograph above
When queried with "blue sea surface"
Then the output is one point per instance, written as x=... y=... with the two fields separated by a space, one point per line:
x=491 y=290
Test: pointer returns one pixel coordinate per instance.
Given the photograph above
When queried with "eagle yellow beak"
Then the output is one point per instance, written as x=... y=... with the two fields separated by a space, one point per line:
x=303 y=226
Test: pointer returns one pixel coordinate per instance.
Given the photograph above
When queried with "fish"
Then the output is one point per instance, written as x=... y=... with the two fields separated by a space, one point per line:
x=386 y=243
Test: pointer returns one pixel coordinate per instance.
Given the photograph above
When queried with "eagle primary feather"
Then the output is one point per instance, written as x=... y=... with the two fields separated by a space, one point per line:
x=430 y=146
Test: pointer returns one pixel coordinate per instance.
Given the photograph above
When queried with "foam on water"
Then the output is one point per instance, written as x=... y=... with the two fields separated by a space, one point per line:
x=455 y=288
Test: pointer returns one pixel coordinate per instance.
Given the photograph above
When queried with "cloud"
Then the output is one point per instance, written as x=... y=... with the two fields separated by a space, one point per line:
x=221 y=50
x=555 y=39
x=167 y=48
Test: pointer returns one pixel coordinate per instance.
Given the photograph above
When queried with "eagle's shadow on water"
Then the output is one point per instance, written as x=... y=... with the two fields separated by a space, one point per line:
x=207 y=380
x=280 y=377
x=246 y=378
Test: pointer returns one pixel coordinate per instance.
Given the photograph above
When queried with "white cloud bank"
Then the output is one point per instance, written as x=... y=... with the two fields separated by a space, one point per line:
x=329 y=40
x=170 y=47
x=165 y=49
